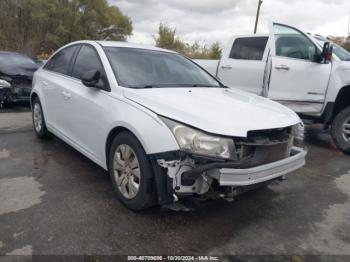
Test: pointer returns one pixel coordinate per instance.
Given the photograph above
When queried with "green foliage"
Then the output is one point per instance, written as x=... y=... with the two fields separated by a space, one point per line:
x=215 y=51
x=346 y=46
x=42 y=26
x=166 y=38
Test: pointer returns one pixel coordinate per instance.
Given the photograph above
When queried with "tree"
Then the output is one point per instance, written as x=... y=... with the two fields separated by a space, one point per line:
x=215 y=51
x=347 y=46
x=166 y=38
x=42 y=26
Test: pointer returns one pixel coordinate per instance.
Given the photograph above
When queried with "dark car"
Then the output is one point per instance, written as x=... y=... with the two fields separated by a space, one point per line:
x=16 y=74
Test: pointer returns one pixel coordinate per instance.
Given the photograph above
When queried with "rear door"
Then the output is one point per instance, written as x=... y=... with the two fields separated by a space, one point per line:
x=243 y=64
x=297 y=80
x=54 y=77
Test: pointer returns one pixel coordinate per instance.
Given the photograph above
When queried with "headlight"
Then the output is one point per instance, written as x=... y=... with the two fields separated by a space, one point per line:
x=195 y=141
x=4 y=84
x=298 y=133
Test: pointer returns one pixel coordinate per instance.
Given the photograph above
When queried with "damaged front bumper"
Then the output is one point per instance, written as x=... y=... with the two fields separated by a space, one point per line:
x=255 y=175
x=181 y=178
x=19 y=91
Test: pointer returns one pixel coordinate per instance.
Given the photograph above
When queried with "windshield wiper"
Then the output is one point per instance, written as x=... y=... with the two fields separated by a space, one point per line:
x=172 y=85
x=143 y=87
x=199 y=85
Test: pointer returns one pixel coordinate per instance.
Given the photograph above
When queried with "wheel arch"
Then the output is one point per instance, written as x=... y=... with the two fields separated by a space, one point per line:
x=342 y=100
x=112 y=134
x=32 y=97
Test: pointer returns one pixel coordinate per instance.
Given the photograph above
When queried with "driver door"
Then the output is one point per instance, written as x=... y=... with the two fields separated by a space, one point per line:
x=297 y=80
x=86 y=107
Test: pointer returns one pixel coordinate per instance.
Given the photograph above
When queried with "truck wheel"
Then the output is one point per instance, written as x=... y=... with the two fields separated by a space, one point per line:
x=341 y=130
x=131 y=172
x=39 y=120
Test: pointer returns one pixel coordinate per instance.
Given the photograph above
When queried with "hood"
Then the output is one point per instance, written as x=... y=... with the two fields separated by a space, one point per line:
x=223 y=111
x=343 y=65
x=24 y=70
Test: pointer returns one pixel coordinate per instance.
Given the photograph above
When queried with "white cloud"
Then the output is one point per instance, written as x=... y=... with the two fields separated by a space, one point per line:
x=203 y=6
x=217 y=20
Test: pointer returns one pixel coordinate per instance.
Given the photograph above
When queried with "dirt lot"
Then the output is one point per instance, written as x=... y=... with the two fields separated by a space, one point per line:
x=53 y=200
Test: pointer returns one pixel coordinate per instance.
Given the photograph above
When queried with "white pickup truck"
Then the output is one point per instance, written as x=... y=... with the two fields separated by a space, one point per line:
x=304 y=72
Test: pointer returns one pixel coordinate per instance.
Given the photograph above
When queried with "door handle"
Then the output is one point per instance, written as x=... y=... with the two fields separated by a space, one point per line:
x=226 y=67
x=282 y=67
x=66 y=95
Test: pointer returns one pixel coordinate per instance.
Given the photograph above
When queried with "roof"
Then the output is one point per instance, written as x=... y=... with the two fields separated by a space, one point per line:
x=123 y=44
x=251 y=35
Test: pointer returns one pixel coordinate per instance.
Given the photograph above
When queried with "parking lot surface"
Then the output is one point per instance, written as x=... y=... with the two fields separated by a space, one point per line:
x=53 y=200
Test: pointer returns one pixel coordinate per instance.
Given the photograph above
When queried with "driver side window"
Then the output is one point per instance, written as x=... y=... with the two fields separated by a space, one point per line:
x=294 y=44
x=87 y=60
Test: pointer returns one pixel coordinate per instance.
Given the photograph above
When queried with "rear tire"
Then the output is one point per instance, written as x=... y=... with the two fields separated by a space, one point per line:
x=131 y=172
x=38 y=118
x=340 y=130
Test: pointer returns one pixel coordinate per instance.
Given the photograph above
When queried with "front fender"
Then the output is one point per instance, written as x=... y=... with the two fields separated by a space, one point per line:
x=153 y=134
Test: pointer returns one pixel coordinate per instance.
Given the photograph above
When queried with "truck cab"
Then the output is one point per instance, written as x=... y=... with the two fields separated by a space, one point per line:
x=295 y=69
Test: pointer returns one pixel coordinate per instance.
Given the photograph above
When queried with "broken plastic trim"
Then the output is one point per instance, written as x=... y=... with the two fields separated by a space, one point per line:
x=196 y=172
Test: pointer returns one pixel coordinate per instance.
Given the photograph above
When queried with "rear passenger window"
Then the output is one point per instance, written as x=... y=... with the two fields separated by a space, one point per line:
x=87 y=60
x=61 y=61
x=248 y=48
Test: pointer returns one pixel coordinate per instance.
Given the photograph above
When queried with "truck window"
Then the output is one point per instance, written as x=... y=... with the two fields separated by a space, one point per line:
x=248 y=48
x=294 y=44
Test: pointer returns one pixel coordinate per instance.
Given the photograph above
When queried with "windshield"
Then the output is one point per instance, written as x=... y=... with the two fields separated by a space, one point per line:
x=339 y=51
x=141 y=68
x=13 y=59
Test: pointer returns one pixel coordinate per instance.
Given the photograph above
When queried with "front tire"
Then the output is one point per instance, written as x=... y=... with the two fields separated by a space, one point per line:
x=39 y=123
x=341 y=130
x=131 y=172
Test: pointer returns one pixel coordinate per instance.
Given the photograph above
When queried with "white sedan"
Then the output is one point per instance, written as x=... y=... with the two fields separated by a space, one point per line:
x=163 y=127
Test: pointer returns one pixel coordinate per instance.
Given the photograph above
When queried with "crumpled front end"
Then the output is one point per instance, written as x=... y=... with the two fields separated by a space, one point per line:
x=14 y=89
x=264 y=156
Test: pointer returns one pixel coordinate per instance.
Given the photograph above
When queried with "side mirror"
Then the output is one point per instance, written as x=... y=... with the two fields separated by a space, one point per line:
x=91 y=78
x=327 y=53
